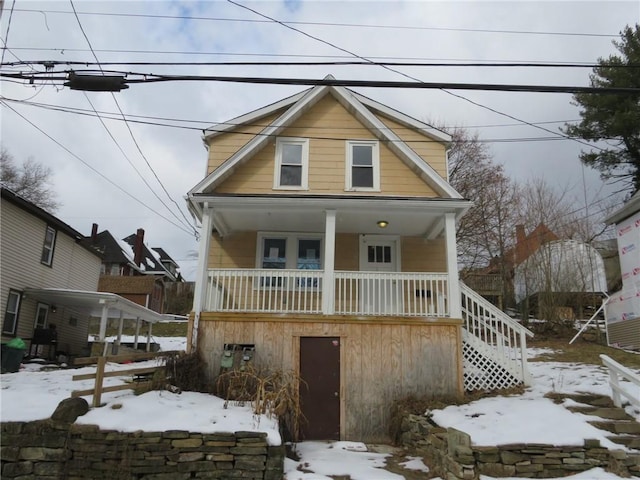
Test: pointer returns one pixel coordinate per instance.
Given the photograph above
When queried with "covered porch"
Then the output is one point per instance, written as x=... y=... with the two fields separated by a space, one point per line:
x=345 y=255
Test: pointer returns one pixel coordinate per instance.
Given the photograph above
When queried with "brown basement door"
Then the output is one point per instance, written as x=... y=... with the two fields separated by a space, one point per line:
x=320 y=397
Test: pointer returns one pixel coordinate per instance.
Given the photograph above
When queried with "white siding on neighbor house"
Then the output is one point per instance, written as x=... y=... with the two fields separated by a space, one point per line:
x=73 y=267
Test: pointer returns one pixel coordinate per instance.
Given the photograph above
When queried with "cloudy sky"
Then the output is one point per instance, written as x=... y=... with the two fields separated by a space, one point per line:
x=115 y=174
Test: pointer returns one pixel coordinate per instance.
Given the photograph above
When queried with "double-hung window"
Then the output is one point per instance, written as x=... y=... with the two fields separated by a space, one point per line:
x=292 y=164
x=363 y=165
x=11 y=311
x=48 y=246
x=293 y=252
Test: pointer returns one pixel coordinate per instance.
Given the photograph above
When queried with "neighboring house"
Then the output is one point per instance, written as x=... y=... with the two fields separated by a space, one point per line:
x=328 y=248
x=40 y=251
x=622 y=309
x=49 y=275
x=133 y=270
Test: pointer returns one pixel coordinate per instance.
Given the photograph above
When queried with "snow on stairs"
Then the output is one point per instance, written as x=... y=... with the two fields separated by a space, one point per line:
x=625 y=429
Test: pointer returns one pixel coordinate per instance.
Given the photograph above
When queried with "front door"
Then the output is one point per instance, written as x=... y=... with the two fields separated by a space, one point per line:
x=320 y=391
x=379 y=294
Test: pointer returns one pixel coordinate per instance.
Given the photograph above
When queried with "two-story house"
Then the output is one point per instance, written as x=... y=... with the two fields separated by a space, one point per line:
x=328 y=248
x=40 y=251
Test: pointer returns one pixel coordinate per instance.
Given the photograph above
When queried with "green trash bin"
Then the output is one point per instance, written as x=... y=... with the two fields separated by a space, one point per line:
x=12 y=355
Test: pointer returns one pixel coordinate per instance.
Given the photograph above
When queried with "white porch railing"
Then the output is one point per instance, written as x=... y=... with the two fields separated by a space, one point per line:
x=264 y=291
x=616 y=372
x=495 y=350
x=301 y=291
x=391 y=293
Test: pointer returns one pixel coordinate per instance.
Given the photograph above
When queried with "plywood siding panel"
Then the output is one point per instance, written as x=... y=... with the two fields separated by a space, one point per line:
x=383 y=360
x=328 y=125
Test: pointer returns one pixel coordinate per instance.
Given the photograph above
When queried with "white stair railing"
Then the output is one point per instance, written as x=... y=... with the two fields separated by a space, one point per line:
x=617 y=371
x=495 y=350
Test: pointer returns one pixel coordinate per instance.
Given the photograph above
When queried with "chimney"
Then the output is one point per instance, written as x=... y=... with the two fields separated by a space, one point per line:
x=521 y=244
x=94 y=232
x=137 y=247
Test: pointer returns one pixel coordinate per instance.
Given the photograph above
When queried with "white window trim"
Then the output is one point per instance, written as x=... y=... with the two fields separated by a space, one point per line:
x=375 y=153
x=291 y=248
x=14 y=314
x=49 y=248
x=304 y=180
x=291 y=243
x=45 y=307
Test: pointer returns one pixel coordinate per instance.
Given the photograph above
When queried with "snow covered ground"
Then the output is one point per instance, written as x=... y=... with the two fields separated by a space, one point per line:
x=33 y=394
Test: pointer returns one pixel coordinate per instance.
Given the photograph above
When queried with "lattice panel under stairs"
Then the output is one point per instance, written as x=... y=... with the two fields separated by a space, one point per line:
x=482 y=373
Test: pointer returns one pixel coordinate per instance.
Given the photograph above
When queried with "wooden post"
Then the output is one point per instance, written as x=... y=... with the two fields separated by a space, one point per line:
x=202 y=274
x=119 y=339
x=103 y=323
x=149 y=337
x=455 y=299
x=135 y=339
x=97 y=391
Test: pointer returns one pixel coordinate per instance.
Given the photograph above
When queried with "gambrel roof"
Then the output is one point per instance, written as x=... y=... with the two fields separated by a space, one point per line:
x=362 y=108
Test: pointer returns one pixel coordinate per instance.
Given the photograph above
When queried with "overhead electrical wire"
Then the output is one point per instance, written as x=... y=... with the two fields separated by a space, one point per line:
x=85 y=163
x=330 y=24
x=195 y=232
x=444 y=89
x=313 y=136
x=208 y=123
x=275 y=55
x=505 y=64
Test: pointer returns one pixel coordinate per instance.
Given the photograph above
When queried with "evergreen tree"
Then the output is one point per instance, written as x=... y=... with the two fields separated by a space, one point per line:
x=613 y=118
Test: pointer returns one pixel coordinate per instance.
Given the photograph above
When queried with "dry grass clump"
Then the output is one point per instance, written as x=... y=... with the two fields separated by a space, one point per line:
x=272 y=393
x=187 y=372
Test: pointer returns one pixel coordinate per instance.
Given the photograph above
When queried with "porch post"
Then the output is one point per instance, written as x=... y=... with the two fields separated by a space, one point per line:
x=200 y=293
x=455 y=307
x=328 y=289
x=103 y=323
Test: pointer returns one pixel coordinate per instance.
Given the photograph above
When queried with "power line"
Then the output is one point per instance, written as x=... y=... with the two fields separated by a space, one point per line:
x=195 y=233
x=213 y=129
x=443 y=88
x=268 y=55
x=505 y=64
x=331 y=24
x=104 y=177
x=127 y=79
x=208 y=123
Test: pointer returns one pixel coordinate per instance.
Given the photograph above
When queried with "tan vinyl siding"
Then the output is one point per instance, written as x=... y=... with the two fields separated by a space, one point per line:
x=418 y=255
x=430 y=150
x=625 y=334
x=73 y=267
x=382 y=359
x=224 y=146
x=328 y=125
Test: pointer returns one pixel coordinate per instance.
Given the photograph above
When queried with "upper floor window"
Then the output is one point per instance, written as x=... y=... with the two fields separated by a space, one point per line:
x=363 y=165
x=11 y=310
x=48 y=246
x=292 y=164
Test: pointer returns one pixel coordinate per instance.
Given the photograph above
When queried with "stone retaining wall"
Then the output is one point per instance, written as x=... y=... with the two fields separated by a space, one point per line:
x=450 y=453
x=47 y=450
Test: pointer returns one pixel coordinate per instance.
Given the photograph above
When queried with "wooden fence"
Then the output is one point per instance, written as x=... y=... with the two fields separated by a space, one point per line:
x=616 y=372
x=100 y=373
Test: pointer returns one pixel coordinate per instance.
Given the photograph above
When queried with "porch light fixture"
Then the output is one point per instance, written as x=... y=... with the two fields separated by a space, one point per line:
x=382 y=223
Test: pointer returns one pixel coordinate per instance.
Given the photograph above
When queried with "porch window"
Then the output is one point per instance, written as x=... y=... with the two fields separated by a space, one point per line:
x=10 y=322
x=48 y=246
x=363 y=165
x=274 y=256
x=291 y=252
x=292 y=162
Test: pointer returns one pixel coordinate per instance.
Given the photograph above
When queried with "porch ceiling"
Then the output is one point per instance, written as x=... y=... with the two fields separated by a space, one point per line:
x=289 y=213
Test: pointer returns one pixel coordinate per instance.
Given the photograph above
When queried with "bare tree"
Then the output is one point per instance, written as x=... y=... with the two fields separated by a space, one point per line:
x=31 y=180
